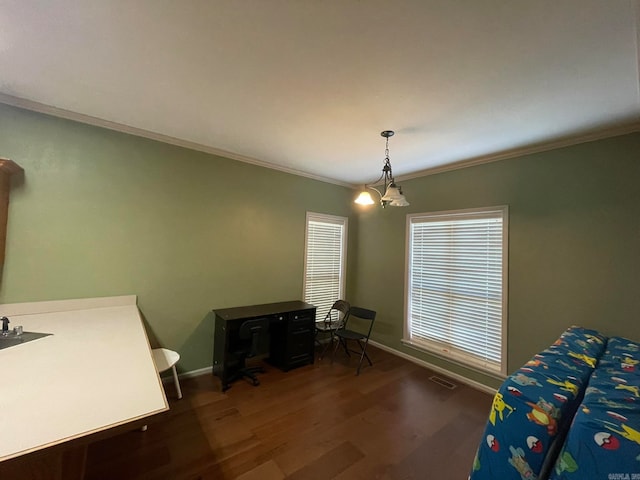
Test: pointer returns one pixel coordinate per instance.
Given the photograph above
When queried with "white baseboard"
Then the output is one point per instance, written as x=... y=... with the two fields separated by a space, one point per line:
x=193 y=373
x=472 y=383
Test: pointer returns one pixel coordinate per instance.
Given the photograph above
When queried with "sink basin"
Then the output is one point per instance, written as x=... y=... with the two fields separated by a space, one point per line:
x=11 y=339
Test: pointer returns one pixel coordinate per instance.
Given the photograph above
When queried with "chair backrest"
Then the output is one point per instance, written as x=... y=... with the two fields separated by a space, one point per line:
x=338 y=307
x=341 y=305
x=254 y=330
x=362 y=314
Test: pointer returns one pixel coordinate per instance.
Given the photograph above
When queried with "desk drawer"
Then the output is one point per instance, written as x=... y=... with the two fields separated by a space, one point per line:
x=299 y=360
x=302 y=316
x=301 y=327
x=300 y=342
x=299 y=321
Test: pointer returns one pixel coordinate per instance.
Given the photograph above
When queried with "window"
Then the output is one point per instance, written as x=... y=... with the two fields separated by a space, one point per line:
x=456 y=286
x=324 y=261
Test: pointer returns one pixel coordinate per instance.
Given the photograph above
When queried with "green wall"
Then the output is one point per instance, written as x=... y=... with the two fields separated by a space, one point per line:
x=574 y=244
x=102 y=213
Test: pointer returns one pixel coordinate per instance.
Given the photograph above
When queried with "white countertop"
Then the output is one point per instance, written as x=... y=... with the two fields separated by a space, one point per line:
x=94 y=373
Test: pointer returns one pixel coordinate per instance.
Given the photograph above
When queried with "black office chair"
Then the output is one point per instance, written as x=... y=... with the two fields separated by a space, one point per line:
x=252 y=334
x=332 y=321
x=362 y=317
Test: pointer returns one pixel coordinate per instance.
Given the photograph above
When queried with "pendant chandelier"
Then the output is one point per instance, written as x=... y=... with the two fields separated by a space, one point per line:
x=392 y=193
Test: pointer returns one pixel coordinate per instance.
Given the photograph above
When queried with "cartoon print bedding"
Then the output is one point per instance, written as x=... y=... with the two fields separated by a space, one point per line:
x=534 y=407
x=604 y=440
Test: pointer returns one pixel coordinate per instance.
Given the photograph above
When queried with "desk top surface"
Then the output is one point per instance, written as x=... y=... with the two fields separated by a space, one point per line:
x=261 y=310
x=95 y=372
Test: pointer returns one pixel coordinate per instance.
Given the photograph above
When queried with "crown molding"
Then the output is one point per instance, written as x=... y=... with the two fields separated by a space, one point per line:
x=494 y=157
x=622 y=129
x=139 y=132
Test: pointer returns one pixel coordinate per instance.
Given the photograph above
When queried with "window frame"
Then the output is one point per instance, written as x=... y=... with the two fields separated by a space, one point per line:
x=329 y=219
x=439 y=349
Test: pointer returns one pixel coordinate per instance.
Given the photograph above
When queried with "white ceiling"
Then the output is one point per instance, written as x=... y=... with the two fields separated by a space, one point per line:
x=308 y=85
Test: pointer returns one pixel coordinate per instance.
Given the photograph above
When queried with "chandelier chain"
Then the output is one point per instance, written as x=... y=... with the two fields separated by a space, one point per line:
x=391 y=193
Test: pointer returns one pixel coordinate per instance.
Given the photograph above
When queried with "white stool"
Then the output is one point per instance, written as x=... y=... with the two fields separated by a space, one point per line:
x=165 y=360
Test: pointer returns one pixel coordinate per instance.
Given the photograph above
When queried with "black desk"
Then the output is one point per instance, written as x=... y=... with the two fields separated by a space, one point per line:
x=290 y=342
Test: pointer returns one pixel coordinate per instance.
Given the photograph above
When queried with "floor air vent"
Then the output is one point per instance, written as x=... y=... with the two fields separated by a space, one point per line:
x=442 y=382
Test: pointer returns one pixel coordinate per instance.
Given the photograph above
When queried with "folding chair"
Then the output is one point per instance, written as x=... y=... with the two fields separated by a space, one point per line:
x=332 y=321
x=363 y=317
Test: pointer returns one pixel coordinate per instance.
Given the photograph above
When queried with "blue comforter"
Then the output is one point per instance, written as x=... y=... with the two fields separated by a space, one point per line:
x=535 y=406
x=604 y=440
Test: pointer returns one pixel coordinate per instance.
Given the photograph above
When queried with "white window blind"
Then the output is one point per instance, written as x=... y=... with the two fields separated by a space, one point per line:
x=456 y=276
x=325 y=257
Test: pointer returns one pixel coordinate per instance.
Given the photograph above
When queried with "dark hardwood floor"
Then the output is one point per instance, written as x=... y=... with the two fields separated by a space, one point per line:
x=312 y=423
